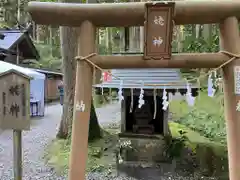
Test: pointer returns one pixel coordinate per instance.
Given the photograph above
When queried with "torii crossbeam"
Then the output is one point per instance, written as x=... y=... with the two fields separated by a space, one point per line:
x=90 y=16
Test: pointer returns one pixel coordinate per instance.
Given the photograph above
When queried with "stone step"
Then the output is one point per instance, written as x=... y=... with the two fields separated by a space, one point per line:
x=139 y=149
x=133 y=166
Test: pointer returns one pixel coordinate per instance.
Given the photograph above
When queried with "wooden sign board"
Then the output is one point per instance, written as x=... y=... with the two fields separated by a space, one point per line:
x=14 y=101
x=158 y=29
x=237 y=79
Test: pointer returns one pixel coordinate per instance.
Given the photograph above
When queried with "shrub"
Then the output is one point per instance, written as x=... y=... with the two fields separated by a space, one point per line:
x=206 y=117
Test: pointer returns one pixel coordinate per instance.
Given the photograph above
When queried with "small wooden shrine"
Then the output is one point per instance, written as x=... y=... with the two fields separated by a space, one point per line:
x=151 y=118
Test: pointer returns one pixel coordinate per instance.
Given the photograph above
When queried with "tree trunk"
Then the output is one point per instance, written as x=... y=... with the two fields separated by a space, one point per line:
x=51 y=39
x=34 y=33
x=37 y=33
x=68 y=39
x=69 y=46
x=94 y=128
x=122 y=40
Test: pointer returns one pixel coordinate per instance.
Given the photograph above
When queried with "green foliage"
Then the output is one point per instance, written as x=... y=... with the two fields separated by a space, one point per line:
x=192 y=44
x=4 y=25
x=100 y=153
x=8 y=12
x=50 y=58
x=210 y=156
x=206 y=117
x=198 y=44
x=48 y=50
x=102 y=49
x=48 y=0
x=175 y=145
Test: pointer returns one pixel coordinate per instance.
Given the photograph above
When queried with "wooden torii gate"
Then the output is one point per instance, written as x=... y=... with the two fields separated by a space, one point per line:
x=90 y=16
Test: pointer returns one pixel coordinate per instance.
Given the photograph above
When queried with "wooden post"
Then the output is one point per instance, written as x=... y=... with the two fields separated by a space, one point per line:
x=17 y=154
x=123 y=115
x=110 y=95
x=230 y=42
x=83 y=95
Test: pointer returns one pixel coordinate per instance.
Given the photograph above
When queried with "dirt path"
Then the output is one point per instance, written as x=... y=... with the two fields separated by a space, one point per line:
x=109 y=114
x=42 y=132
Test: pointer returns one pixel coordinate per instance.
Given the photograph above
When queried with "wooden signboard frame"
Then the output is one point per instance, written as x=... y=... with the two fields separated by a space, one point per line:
x=15 y=111
x=237 y=79
x=155 y=31
x=18 y=121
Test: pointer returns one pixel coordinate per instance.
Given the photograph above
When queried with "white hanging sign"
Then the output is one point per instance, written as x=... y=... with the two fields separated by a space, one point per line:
x=238 y=106
x=141 y=100
x=211 y=90
x=237 y=79
x=80 y=106
x=120 y=92
x=189 y=98
x=165 y=103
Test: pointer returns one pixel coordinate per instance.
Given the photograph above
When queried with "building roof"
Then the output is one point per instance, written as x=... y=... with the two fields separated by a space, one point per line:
x=134 y=78
x=48 y=72
x=14 y=71
x=4 y=66
x=12 y=38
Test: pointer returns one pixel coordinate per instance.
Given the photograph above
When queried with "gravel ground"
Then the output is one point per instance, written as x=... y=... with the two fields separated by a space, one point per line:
x=43 y=131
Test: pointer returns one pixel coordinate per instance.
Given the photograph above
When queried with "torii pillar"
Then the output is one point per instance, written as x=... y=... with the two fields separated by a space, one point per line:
x=82 y=103
x=230 y=41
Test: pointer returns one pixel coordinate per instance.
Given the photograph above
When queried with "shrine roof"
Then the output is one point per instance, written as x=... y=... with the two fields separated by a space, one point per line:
x=134 y=78
x=12 y=38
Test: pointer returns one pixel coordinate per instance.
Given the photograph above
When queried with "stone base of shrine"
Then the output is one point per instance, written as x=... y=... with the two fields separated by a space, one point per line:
x=143 y=148
x=137 y=169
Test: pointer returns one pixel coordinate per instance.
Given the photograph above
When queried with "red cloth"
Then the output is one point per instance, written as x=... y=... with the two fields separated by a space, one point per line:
x=106 y=77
